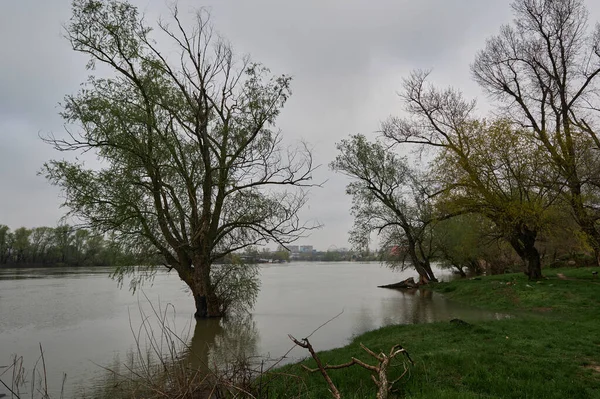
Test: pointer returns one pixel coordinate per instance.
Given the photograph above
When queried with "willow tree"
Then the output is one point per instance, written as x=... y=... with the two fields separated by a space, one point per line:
x=498 y=172
x=390 y=199
x=486 y=168
x=190 y=161
x=544 y=70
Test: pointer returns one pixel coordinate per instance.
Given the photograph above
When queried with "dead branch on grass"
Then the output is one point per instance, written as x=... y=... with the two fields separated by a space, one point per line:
x=379 y=376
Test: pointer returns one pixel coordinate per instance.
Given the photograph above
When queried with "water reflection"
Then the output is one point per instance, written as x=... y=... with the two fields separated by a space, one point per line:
x=164 y=357
x=51 y=272
x=217 y=343
x=419 y=305
x=83 y=320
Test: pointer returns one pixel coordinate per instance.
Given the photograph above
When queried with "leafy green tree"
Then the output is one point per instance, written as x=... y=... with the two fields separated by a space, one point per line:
x=486 y=168
x=544 y=71
x=461 y=242
x=63 y=238
x=93 y=250
x=388 y=198
x=471 y=243
x=5 y=244
x=21 y=245
x=79 y=243
x=41 y=241
x=281 y=254
x=192 y=162
x=332 y=256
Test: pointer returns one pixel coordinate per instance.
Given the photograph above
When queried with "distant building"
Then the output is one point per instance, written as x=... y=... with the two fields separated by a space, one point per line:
x=294 y=249
x=306 y=249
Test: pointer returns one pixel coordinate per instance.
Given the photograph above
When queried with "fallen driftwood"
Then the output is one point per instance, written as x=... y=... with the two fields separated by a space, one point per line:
x=408 y=283
x=379 y=372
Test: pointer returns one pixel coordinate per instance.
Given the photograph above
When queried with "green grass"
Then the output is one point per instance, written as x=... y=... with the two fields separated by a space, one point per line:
x=549 y=349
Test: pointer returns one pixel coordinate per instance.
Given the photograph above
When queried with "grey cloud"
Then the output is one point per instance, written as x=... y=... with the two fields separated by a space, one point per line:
x=347 y=58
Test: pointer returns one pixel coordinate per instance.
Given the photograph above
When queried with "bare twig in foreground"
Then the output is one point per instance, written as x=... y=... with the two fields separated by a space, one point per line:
x=384 y=386
x=306 y=345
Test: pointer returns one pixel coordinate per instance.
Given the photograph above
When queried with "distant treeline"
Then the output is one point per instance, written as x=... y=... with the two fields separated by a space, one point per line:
x=253 y=255
x=59 y=246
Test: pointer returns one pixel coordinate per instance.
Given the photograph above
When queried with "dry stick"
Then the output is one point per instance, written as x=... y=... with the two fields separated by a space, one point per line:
x=44 y=368
x=306 y=345
x=10 y=390
x=284 y=356
x=309 y=335
x=17 y=374
x=62 y=388
x=324 y=324
x=33 y=375
x=383 y=385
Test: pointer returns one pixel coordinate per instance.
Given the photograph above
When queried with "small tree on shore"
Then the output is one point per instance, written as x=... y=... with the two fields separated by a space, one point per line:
x=191 y=162
x=389 y=198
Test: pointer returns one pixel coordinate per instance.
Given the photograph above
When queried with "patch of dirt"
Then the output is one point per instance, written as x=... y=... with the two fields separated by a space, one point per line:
x=511 y=295
x=546 y=309
x=594 y=367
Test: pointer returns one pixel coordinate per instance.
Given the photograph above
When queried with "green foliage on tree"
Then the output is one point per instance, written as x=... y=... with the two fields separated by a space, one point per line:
x=389 y=199
x=61 y=246
x=470 y=244
x=192 y=164
x=490 y=168
x=543 y=70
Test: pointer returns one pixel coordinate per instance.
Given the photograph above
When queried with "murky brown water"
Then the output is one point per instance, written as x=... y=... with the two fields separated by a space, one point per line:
x=84 y=321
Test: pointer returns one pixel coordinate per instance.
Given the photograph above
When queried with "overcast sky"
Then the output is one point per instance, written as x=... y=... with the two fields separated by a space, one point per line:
x=347 y=58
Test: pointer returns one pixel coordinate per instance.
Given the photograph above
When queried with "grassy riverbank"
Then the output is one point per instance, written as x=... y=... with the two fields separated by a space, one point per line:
x=550 y=348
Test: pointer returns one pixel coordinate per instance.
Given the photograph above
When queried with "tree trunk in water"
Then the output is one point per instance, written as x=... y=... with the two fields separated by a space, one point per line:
x=201 y=308
x=430 y=275
x=207 y=305
x=460 y=271
x=422 y=267
x=207 y=302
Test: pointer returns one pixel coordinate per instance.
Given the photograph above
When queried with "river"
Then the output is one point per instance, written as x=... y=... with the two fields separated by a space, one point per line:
x=84 y=322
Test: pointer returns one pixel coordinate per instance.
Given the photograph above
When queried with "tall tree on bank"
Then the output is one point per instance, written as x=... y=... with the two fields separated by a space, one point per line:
x=545 y=69
x=485 y=168
x=389 y=199
x=500 y=173
x=191 y=161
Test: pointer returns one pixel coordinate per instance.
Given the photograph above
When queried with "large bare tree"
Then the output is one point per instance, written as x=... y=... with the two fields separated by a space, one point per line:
x=191 y=162
x=544 y=70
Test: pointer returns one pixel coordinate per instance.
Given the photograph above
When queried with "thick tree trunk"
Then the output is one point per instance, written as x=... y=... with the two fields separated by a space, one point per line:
x=422 y=267
x=207 y=303
x=430 y=276
x=523 y=243
x=460 y=270
x=534 y=264
x=584 y=219
x=425 y=273
x=201 y=307
x=593 y=236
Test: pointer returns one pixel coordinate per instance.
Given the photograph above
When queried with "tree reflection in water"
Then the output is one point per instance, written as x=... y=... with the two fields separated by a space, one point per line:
x=217 y=349
x=218 y=344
